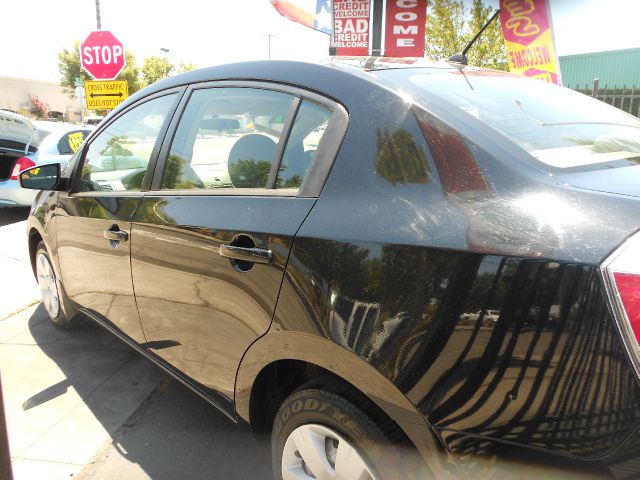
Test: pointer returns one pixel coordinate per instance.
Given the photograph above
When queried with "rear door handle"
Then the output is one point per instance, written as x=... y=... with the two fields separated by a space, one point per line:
x=253 y=255
x=115 y=234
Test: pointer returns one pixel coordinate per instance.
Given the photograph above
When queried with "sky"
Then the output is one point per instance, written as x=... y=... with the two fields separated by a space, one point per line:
x=220 y=31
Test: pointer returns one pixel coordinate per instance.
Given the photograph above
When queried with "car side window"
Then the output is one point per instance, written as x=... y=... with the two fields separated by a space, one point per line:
x=117 y=159
x=227 y=138
x=71 y=141
x=307 y=131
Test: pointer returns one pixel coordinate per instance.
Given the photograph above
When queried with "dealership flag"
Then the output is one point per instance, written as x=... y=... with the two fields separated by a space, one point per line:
x=315 y=14
x=526 y=26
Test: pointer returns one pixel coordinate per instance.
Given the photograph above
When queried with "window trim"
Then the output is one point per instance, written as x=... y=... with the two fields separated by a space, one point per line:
x=292 y=114
x=315 y=179
x=74 y=189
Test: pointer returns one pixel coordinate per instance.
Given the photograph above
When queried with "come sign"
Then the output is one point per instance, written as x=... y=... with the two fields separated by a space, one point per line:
x=102 y=55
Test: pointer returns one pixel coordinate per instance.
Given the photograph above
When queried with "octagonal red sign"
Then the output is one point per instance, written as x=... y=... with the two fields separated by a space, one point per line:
x=102 y=55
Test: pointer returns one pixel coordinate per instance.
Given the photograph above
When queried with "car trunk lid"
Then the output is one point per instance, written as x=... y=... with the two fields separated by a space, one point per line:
x=17 y=133
x=18 y=137
x=619 y=179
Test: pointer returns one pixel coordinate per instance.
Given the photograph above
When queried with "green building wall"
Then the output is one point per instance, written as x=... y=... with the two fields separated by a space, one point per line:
x=613 y=69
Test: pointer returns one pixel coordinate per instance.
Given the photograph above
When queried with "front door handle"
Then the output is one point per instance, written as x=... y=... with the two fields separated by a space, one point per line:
x=114 y=234
x=252 y=255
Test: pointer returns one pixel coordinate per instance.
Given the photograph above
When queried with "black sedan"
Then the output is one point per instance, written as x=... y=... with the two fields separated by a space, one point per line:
x=398 y=269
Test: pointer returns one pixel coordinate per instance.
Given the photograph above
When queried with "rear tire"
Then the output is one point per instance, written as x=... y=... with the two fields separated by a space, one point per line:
x=319 y=434
x=52 y=294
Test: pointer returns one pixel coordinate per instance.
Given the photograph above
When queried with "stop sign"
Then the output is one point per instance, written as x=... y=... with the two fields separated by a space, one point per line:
x=102 y=55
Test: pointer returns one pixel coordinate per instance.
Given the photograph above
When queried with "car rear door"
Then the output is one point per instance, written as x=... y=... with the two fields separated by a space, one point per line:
x=211 y=241
x=94 y=219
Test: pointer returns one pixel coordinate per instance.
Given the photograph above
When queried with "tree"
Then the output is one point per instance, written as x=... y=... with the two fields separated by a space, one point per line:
x=186 y=67
x=70 y=69
x=38 y=107
x=489 y=50
x=450 y=26
x=400 y=159
x=130 y=73
x=155 y=68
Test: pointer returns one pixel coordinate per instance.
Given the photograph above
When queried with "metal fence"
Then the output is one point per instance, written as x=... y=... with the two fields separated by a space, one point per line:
x=625 y=98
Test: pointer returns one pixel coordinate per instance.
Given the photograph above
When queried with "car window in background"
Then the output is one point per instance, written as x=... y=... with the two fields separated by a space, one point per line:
x=227 y=138
x=117 y=158
x=557 y=126
x=302 y=144
x=71 y=141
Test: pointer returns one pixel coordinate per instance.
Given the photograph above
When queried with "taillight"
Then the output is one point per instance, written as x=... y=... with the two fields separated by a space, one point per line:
x=21 y=164
x=628 y=285
x=622 y=280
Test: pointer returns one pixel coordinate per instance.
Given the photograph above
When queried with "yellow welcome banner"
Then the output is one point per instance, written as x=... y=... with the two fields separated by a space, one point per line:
x=526 y=26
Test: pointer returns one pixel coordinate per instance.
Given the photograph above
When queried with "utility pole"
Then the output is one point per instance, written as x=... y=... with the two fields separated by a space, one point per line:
x=98 y=15
x=269 y=35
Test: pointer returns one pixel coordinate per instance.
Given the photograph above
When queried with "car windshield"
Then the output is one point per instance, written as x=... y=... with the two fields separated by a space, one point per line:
x=557 y=126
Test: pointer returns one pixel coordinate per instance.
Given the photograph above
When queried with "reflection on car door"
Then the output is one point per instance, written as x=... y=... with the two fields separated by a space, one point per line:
x=212 y=241
x=95 y=218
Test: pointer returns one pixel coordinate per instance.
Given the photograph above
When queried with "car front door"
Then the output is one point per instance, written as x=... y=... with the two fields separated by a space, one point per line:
x=211 y=241
x=94 y=219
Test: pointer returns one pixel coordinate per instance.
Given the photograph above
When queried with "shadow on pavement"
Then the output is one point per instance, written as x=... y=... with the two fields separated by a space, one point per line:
x=173 y=434
x=9 y=215
x=178 y=435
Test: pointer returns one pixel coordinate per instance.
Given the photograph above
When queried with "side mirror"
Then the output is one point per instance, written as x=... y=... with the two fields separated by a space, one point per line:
x=41 y=177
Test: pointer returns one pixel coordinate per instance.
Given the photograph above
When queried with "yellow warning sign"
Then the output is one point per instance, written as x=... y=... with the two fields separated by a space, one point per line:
x=105 y=95
x=75 y=140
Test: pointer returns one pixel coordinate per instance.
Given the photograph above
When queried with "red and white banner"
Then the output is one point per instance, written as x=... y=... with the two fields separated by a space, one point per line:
x=404 y=30
x=351 y=31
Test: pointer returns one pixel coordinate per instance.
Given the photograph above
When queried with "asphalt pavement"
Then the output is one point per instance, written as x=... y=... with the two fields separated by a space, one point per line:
x=81 y=404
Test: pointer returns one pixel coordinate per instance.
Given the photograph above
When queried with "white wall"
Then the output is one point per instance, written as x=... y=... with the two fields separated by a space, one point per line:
x=14 y=96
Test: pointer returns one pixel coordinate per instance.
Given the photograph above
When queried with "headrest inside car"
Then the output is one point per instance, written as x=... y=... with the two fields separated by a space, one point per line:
x=250 y=161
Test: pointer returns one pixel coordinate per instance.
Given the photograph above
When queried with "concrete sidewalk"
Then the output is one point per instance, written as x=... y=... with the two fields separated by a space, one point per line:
x=81 y=404
x=177 y=435
x=18 y=287
x=65 y=393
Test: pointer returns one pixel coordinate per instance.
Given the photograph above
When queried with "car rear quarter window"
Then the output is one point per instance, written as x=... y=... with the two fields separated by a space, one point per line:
x=117 y=158
x=302 y=145
x=559 y=127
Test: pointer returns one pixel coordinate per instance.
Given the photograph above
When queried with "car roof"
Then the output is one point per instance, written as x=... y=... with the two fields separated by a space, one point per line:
x=320 y=75
x=56 y=126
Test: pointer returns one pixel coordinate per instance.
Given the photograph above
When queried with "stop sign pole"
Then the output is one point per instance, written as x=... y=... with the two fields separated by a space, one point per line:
x=102 y=55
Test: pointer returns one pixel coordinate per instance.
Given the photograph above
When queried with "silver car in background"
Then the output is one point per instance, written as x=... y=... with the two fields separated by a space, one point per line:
x=25 y=143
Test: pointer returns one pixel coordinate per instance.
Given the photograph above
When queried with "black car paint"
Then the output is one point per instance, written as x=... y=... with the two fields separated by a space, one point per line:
x=398 y=263
x=196 y=299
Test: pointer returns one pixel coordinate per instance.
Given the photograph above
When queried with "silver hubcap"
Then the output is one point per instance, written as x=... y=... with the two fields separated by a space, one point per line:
x=48 y=286
x=315 y=451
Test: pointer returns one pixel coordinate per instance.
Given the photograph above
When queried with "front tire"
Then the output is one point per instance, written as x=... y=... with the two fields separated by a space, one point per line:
x=52 y=294
x=320 y=435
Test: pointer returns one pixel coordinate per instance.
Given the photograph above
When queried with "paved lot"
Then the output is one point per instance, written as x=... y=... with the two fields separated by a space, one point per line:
x=82 y=405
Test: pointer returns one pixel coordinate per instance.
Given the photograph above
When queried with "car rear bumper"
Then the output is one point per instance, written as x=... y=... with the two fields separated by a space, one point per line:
x=12 y=194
